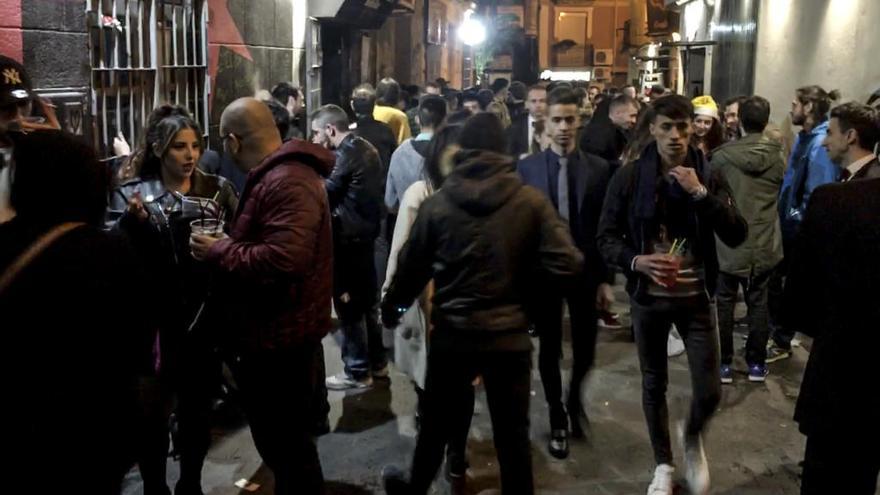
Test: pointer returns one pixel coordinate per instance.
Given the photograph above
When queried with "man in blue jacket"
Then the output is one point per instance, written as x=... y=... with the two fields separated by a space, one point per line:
x=808 y=168
x=575 y=182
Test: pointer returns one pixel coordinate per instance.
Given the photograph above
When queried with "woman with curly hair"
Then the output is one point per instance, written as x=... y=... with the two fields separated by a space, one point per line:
x=163 y=197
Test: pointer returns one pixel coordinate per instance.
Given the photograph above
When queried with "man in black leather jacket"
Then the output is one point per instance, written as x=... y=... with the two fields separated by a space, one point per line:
x=490 y=243
x=354 y=189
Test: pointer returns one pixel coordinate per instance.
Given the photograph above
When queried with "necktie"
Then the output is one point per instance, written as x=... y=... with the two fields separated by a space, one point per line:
x=562 y=188
x=531 y=132
x=845 y=175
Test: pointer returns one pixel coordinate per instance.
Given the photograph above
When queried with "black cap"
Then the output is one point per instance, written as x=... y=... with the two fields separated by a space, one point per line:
x=15 y=85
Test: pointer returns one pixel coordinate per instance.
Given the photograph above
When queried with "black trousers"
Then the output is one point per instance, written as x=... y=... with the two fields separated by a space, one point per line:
x=186 y=384
x=782 y=333
x=198 y=386
x=693 y=316
x=277 y=389
x=840 y=463
x=582 y=309
x=755 y=290
x=449 y=390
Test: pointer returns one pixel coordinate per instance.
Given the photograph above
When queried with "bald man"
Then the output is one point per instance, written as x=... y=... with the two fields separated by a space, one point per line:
x=274 y=303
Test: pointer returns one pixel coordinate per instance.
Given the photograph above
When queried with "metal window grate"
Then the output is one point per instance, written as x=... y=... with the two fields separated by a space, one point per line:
x=144 y=53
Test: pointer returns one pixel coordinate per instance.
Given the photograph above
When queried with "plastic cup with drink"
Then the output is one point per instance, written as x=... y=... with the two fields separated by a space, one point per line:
x=674 y=254
x=207 y=226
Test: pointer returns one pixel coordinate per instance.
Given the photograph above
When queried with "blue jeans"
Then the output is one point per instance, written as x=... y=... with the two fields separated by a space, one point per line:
x=355 y=293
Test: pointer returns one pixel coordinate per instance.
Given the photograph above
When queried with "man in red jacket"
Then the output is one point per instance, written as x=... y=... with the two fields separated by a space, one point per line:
x=277 y=310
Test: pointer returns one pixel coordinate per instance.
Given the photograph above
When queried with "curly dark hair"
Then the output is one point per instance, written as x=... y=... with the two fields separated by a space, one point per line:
x=163 y=124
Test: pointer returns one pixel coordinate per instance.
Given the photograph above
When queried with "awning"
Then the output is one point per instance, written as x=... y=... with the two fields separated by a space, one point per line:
x=364 y=14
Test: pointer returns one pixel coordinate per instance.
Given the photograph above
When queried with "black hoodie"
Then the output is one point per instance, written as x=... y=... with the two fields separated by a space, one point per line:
x=483 y=238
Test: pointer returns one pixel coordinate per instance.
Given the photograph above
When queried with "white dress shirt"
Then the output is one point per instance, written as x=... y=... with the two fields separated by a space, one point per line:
x=854 y=167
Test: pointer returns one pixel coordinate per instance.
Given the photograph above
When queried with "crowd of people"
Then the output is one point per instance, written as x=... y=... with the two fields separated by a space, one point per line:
x=448 y=230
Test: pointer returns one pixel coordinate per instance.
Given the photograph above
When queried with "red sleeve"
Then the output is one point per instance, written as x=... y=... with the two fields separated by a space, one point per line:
x=291 y=215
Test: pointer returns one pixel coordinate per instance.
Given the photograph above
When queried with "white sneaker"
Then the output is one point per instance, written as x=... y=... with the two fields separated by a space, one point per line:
x=674 y=344
x=345 y=382
x=696 y=466
x=662 y=482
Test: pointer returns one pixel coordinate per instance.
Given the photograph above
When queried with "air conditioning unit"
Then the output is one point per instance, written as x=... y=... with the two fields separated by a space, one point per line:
x=602 y=73
x=603 y=56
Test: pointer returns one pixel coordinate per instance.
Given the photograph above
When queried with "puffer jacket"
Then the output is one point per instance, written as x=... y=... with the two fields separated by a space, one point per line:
x=753 y=167
x=488 y=241
x=277 y=264
x=354 y=189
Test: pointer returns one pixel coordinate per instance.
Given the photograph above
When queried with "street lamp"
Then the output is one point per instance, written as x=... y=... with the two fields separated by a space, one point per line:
x=472 y=32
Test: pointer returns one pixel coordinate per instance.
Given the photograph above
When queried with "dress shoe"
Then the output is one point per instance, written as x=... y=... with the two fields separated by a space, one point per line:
x=558 y=445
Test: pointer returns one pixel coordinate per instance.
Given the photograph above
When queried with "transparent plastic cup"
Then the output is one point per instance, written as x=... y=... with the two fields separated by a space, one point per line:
x=208 y=226
x=671 y=276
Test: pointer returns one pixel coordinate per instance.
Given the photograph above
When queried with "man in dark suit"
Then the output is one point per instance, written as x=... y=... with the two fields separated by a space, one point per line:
x=831 y=295
x=520 y=134
x=608 y=134
x=853 y=132
x=575 y=182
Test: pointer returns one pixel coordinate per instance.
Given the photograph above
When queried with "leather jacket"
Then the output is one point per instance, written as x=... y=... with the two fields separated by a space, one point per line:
x=354 y=189
x=162 y=240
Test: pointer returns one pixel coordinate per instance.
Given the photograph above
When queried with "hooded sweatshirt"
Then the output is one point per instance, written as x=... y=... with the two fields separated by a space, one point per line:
x=486 y=239
x=753 y=167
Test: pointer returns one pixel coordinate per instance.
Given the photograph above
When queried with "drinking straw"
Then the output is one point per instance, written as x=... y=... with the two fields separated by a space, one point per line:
x=672 y=248
x=680 y=248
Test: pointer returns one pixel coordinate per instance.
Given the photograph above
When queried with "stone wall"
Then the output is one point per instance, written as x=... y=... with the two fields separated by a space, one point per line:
x=251 y=47
x=832 y=43
x=49 y=38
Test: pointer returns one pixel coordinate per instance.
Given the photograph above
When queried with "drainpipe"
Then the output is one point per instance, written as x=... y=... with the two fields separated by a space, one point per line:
x=426 y=20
